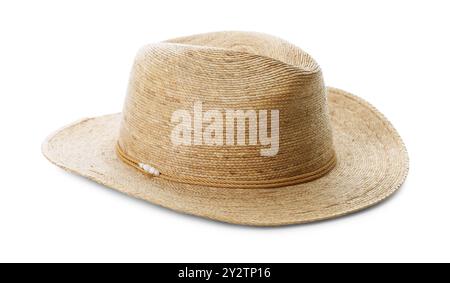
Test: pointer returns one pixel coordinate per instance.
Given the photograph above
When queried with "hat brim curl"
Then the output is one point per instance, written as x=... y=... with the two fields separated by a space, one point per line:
x=372 y=164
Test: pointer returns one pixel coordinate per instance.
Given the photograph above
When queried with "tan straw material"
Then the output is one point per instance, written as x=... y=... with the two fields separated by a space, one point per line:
x=337 y=154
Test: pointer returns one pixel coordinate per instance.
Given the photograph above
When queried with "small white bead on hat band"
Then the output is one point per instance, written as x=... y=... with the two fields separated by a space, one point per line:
x=149 y=169
x=144 y=167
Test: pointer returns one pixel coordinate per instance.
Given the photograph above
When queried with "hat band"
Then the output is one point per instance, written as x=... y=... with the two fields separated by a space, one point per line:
x=264 y=184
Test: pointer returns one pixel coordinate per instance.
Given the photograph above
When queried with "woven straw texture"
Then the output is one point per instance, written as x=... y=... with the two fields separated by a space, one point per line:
x=337 y=153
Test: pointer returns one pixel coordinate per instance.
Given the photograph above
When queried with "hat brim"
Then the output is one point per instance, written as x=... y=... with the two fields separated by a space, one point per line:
x=372 y=164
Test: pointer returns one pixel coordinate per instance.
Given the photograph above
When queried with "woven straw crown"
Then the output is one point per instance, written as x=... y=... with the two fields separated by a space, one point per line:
x=260 y=73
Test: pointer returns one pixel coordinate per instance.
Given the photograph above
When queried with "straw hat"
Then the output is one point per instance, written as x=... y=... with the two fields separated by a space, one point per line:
x=237 y=127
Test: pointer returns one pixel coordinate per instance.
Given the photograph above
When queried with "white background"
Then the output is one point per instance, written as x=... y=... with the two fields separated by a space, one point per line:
x=64 y=60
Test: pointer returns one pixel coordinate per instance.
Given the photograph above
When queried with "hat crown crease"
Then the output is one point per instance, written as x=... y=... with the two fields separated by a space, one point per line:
x=228 y=71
